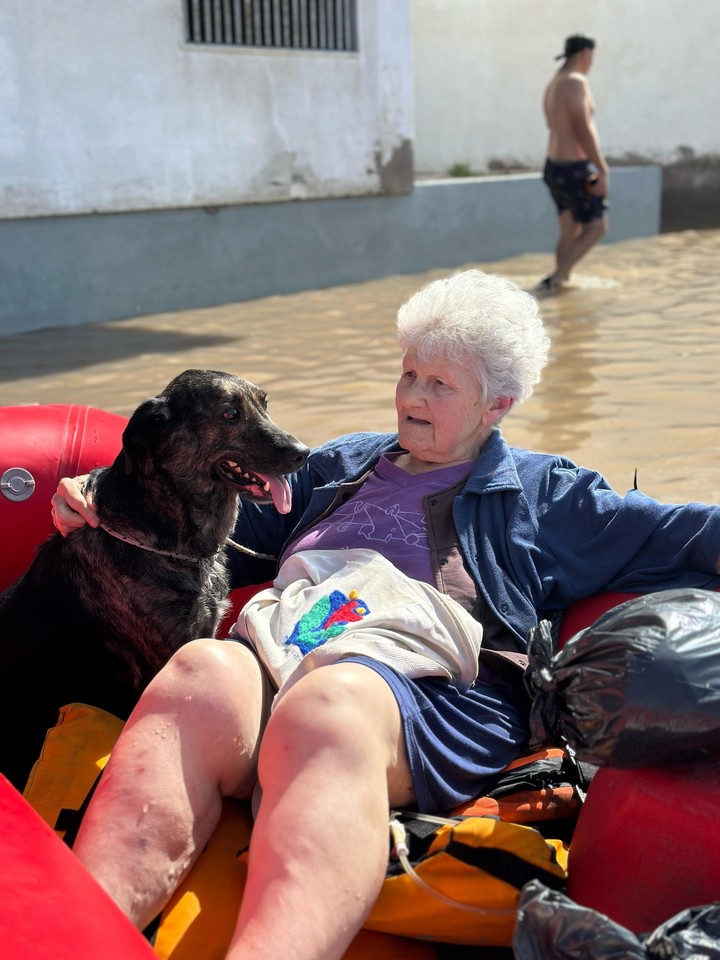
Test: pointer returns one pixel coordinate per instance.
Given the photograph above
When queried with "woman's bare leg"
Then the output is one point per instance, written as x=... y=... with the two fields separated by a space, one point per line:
x=332 y=762
x=192 y=739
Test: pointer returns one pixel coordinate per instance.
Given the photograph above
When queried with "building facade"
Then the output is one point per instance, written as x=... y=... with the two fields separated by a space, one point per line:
x=157 y=104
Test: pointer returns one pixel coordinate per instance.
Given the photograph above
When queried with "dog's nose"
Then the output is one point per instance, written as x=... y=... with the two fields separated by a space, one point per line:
x=297 y=454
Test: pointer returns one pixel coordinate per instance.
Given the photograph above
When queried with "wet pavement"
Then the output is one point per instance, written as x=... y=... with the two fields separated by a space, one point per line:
x=633 y=382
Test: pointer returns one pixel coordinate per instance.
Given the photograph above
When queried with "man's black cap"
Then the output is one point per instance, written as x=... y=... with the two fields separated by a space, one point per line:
x=575 y=44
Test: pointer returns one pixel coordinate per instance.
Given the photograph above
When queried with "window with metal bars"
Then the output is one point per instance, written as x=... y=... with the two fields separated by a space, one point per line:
x=287 y=24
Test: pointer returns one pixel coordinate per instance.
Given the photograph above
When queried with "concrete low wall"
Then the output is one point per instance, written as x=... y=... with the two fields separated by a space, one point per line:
x=62 y=271
x=691 y=193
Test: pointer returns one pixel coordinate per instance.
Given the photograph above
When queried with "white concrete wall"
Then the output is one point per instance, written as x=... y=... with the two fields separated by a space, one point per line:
x=480 y=67
x=104 y=107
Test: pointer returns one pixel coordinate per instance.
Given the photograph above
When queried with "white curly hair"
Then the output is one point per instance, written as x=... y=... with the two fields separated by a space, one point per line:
x=484 y=321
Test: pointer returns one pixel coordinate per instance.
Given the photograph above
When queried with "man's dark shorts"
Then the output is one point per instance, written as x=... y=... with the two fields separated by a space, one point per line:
x=568 y=185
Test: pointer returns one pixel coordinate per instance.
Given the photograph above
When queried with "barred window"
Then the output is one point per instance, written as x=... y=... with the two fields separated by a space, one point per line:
x=288 y=24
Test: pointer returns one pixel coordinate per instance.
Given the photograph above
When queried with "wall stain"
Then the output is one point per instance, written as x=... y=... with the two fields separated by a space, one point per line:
x=397 y=175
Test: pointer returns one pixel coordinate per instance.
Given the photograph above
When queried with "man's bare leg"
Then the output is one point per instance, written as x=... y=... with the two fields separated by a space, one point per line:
x=569 y=233
x=331 y=764
x=576 y=240
x=192 y=739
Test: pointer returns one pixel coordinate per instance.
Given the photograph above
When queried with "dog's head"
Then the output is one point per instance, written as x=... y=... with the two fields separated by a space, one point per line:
x=208 y=428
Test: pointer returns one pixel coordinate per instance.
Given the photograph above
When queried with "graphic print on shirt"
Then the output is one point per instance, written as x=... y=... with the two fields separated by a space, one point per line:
x=373 y=523
x=327 y=618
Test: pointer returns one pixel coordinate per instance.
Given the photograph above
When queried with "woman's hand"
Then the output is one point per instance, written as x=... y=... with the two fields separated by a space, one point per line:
x=71 y=509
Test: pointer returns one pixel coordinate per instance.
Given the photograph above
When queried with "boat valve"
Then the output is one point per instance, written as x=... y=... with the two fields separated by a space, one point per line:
x=17 y=484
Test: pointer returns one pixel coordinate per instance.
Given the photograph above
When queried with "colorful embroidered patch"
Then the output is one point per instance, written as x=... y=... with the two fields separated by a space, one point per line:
x=326 y=619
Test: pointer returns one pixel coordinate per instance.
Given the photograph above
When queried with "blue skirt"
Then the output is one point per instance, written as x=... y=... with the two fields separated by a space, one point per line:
x=456 y=739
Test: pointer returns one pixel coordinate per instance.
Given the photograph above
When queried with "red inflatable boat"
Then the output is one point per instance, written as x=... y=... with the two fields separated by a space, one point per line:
x=51 y=908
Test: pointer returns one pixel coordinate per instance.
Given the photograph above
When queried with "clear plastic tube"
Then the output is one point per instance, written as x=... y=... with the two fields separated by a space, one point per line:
x=400 y=848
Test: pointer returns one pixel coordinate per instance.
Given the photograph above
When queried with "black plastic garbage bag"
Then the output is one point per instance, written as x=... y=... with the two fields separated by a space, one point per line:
x=551 y=926
x=639 y=687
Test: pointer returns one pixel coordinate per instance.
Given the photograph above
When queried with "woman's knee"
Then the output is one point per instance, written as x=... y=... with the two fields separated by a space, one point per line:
x=347 y=706
x=204 y=657
x=216 y=698
x=198 y=655
x=214 y=675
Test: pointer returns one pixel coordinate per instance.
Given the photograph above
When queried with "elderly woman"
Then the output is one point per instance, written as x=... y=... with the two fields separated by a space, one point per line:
x=357 y=682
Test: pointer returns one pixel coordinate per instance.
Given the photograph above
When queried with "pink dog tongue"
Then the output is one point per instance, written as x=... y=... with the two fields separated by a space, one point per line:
x=280 y=490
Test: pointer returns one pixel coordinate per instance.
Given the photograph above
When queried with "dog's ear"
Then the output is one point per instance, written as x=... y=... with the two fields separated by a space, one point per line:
x=142 y=434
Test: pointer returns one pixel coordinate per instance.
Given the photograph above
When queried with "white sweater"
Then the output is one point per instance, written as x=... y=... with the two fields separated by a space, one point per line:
x=326 y=605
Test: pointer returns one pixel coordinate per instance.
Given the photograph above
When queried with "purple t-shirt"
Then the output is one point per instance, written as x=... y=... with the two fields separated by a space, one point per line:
x=386 y=514
x=455 y=738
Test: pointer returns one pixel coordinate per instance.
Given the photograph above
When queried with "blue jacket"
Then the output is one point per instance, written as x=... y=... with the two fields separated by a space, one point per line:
x=537 y=532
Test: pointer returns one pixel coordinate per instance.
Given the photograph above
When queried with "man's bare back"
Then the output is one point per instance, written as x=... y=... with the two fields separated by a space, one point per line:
x=566 y=103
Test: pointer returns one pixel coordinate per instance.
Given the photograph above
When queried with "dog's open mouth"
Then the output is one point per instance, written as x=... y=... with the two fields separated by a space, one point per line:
x=256 y=486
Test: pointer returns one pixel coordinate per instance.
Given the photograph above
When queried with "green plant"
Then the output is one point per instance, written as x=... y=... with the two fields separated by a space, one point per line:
x=460 y=170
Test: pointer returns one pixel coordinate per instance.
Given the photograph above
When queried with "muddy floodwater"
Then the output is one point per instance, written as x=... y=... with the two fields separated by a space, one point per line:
x=633 y=382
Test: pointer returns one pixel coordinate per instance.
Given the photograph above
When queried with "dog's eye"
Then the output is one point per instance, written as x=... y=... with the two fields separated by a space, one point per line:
x=232 y=413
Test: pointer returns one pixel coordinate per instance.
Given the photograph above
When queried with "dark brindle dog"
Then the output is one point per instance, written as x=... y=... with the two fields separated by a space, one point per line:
x=98 y=613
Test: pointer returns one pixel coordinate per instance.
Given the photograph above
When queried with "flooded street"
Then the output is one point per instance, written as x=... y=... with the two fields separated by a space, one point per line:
x=633 y=381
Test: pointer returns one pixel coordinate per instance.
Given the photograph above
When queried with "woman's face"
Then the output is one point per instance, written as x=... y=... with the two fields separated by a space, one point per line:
x=442 y=416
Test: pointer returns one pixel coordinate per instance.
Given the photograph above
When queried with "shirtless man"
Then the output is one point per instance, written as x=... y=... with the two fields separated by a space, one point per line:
x=575 y=170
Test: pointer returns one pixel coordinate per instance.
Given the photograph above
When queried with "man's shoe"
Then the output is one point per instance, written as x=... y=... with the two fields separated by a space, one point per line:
x=547 y=285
